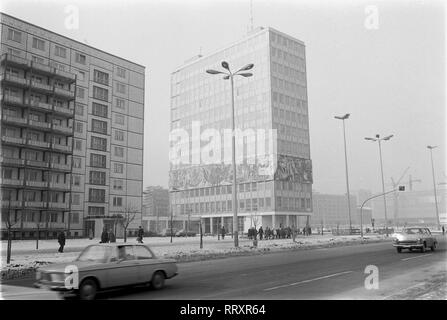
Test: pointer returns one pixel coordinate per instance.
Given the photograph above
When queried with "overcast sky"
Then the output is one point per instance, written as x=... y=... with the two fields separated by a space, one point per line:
x=390 y=78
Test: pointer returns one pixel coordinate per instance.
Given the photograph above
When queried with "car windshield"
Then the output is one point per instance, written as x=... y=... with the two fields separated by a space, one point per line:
x=413 y=231
x=95 y=253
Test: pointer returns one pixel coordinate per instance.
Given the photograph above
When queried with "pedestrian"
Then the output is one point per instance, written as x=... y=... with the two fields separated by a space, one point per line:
x=293 y=232
x=223 y=232
x=140 y=234
x=61 y=240
x=304 y=231
x=261 y=233
x=443 y=230
x=104 y=236
x=112 y=237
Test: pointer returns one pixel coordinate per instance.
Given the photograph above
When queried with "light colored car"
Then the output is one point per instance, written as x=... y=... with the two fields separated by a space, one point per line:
x=106 y=266
x=414 y=238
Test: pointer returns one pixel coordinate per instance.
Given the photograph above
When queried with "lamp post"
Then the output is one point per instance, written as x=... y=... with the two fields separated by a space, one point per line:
x=229 y=76
x=434 y=185
x=379 y=140
x=343 y=118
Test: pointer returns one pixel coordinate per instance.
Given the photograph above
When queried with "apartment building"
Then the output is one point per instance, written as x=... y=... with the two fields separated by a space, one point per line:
x=275 y=97
x=72 y=134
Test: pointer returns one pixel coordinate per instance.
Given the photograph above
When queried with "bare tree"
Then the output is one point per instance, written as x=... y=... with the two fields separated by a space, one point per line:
x=254 y=218
x=127 y=215
x=9 y=223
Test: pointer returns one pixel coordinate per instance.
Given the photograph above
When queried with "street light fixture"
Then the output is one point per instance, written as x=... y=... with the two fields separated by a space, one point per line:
x=343 y=118
x=229 y=76
x=379 y=140
x=434 y=185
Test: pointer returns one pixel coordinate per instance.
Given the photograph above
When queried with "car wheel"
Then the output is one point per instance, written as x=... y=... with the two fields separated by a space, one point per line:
x=433 y=247
x=423 y=248
x=158 y=280
x=88 y=289
x=399 y=250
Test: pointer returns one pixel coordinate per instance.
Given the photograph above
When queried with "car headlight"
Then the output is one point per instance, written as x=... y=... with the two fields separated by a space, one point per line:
x=38 y=275
x=57 y=277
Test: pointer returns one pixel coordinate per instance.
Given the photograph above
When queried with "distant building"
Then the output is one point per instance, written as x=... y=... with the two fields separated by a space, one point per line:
x=156 y=201
x=331 y=211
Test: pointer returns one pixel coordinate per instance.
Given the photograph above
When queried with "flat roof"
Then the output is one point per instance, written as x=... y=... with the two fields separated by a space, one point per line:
x=71 y=39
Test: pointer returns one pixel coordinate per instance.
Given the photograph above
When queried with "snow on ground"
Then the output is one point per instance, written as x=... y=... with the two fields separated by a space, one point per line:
x=25 y=258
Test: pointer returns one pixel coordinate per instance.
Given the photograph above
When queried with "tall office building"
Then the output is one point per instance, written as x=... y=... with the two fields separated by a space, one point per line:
x=156 y=201
x=72 y=133
x=272 y=193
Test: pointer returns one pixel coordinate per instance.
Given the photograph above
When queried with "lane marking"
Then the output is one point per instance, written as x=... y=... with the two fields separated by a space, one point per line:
x=423 y=255
x=307 y=281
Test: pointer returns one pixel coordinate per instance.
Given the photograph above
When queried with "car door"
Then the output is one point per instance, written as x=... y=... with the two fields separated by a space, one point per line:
x=123 y=267
x=429 y=237
x=147 y=264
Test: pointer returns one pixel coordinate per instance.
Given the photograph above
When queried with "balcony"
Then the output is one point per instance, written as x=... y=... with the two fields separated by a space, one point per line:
x=39 y=164
x=13 y=120
x=60 y=166
x=64 y=75
x=63 y=129
x=13 y=100
x=40 y=124
x=36 y=184
x=61 y=147
x=64 y=111
x=39 y=144
x=12 y=182
x=64 y=93
x=58 y=205
x=41 y=106
x=35 y=204
x=10 y=78
x=11 y=204
x=44 y=68
x=59 y=185
x=12 y=161
x=15 y=60
x=41 y=86
x=13 y=140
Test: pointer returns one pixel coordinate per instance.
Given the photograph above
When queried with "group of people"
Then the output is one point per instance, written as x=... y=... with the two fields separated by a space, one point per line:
x=107 y=236
x=277 y=233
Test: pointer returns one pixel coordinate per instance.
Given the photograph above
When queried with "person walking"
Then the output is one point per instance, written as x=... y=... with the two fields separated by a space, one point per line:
x=104 y=236
x=293 y=232
x=261 y=233
x=223 y=232
x=61 y=240
x=140 y=234
x=112 y=237
x=443 y=230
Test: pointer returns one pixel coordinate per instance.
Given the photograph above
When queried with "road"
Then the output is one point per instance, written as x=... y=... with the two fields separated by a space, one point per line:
x=328 y=273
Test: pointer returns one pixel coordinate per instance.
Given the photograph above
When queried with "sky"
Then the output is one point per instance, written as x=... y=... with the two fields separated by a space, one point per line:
x=381 y=61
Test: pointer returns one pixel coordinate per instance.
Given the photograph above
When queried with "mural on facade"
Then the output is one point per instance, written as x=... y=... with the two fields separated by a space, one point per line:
x=294 y=169
x=288 y=168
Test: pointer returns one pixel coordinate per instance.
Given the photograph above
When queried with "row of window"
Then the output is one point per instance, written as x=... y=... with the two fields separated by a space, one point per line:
x=98 y=178
x=44 y=217
x=225 y=206
x=99 y=161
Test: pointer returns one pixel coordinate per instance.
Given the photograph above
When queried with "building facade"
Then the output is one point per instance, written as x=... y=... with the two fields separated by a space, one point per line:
x=156 y=201
x=272 y=190
x=72 y=134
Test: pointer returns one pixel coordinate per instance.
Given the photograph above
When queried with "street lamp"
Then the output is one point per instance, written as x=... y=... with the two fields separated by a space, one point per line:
x=379 y=140
x=434 y=185
x=229 y=76
x=343 y=118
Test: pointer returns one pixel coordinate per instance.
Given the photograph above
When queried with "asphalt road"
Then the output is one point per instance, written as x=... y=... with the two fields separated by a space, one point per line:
x=329 y=273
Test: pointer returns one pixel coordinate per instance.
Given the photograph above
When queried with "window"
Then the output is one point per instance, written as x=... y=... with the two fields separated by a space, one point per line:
x=119 y=119
x=79 y=127
x=98 y=177
x=268 y=202
x=98 y=143
x=80 y=92
x=14 y=52
x=81 y=75
x=38 y=44
x=99 y=126
x=77 y=180
x=77 y=162
x=95 y=211
x=119 y=135
x=120 y=103
x=101 y=77
x=142 y=253
x=100 y=93
x=97 y=160
x=78 y=144
x=118 y=168
x=76 y=200
x=117 y=201
x=75 y=219
x=60 y=51
x=118 y=184
x=119 y=152
x=120 y=87
x=121 y=72
x=14 y=35
x=99 y=110
x=79 y=109
x=96 y=195
x=80 y=58
x=38 y=60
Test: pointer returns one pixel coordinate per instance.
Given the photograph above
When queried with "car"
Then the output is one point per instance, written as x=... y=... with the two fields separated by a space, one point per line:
x=414 y=238
x=107 y=266
x=185 y=233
